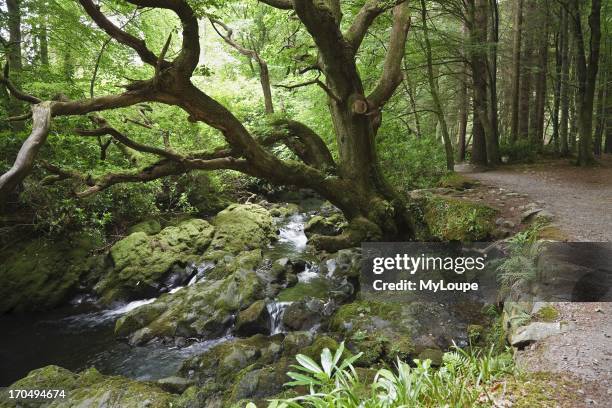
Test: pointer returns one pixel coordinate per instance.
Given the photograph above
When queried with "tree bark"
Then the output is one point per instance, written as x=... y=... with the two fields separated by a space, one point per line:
x=586 y=72
x=435 y=95
x=565 y=85
x=15 y=55
x=481 y=128
x=526 y=91
x=516 y=69
x=541 y=77
x=493 y=136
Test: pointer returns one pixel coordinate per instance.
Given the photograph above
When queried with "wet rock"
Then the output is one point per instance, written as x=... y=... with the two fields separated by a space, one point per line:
x=434 y=355
x=140 y=262
x=318 y=224
x=253 y=320
x=304 y=315
x=89 y=388
x=41 y=274
x=385 y=331
x=175 y=385
x=203 y=310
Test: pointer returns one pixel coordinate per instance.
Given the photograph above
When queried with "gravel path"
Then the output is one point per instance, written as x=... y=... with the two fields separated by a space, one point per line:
x=581 y=199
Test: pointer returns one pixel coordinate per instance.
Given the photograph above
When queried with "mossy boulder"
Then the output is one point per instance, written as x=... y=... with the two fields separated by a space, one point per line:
x=141 y=261
x=453 y=219
x=89 y=388
x=249 y=369
x=41 y=274
x=385 y=331
x=149 y=227
x=254 y=319
x=331 y=225
x=456 y=181
x=204 y=310
x=222 y=363
x=241 y=227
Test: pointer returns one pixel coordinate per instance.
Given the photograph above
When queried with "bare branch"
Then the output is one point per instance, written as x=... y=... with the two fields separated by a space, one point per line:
x=364 y=19
x=189 y=56
x=16 y=92
x=41 y=114
x=392 y=71
x=279 y=4
x=118 y=34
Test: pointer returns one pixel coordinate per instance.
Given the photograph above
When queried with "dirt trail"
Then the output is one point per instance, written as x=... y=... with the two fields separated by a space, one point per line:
x=581 y=202
x=581 y=199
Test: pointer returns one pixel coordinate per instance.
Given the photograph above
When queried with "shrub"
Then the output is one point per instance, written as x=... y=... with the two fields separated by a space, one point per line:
x=462 y=381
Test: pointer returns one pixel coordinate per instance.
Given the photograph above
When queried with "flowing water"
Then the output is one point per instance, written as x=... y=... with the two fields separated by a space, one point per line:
x=81 y=335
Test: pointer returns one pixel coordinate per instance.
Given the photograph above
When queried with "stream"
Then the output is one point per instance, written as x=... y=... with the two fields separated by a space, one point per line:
x=81 y=335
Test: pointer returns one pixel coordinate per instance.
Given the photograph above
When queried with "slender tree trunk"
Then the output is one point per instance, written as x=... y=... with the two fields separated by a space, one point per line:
x=557 y=85
x=565 y=85
x=516 y=69
x=525 y=94
x=586 y=72
x=493 y=136
x=264 y=79
x=600 y=113
x=409 y=88
x=14 y=55
x=541 y=79
x=44 y=45
x=462 y=115
x=482 y=129
x=433 y=86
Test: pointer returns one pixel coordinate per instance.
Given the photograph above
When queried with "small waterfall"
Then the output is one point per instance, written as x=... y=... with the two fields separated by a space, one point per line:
x=310 y=272
x=201 y=271
x=276 y=311
x=293 y=232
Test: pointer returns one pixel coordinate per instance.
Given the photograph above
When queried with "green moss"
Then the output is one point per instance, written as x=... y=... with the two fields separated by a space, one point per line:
x=547 y=390
x=456 y=181
x=140 y=261
x=40 y=274
x=452 y=219
x=90 y=388
x=149 y=227
x=547 y=313
x=316 y=288
x=242 y=227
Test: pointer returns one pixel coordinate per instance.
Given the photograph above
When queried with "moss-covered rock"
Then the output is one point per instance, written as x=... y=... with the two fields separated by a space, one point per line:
x=149 y=227
x=241 y=227
x=456 y=181
x=331 y=225
x=141 y=261
x=453 y=219
x=255 y=319
x=204 y=310
x=90 y=389
x=40 y=274
x=250 y=369
x=385 y=331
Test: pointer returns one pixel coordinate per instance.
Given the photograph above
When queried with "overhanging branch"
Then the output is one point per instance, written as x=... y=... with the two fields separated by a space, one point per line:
x=41 y=121
x=392 y=70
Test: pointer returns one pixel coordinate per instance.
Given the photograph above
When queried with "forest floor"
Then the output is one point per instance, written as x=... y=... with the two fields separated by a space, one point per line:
x=581 y=203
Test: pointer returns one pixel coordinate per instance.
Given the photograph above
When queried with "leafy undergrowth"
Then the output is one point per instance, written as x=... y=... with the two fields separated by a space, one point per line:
x=467 y=378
